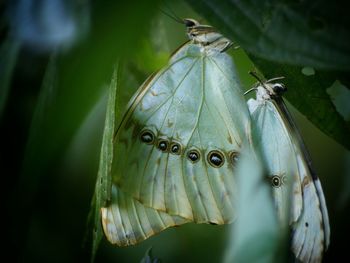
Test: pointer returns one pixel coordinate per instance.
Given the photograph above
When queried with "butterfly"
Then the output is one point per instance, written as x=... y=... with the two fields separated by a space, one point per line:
x=288 y=162
x=176 y=148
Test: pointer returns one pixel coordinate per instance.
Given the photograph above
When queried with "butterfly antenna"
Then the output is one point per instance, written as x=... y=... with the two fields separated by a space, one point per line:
x=250 y=90
x=171 y=13
x=255 y=75
x=274 y=79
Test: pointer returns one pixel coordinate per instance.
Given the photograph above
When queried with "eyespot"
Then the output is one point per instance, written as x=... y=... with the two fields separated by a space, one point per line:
x=175 y=148
x=216 y=158
x=147 y=136
x=276 y=181
x=193 y=155
x=163 y=145
x=234 y=156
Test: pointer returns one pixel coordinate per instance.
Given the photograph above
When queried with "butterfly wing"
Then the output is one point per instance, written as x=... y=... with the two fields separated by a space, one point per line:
x=279 y=139
x=309 y=232
x=127 y=222
x=195 y=105
x=273 y=141
x=312 y=232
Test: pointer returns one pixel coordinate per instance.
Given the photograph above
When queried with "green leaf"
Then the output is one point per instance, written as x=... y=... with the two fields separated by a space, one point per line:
x=103 y=182
x=308 y=93
x=304 y=33
x=9 y=50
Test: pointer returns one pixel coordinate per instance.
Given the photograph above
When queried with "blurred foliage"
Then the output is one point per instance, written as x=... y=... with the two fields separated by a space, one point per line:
x=8 y=56
x=46 y=25
x=53 y=118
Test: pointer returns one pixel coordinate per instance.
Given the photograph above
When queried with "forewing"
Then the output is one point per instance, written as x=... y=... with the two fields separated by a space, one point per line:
x=308 y=242
x=313 y=197
x=275 y=145
x=311 y=232
x=309 y=219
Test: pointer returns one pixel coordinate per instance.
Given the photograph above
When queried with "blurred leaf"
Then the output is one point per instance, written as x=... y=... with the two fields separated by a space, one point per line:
x=47 y=25
x=82 y=159
x=309 y=95
x=40 y=116
x=148 y=258
x=149 y=59
x=103 y=181
x=256 y=235
x=304 y=33
x=9 y=50
x=31 y=171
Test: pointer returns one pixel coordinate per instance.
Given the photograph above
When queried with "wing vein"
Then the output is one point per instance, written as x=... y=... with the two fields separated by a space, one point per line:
x=138 y=217
x=171 y=96
x=207 y=173
x=224 y=99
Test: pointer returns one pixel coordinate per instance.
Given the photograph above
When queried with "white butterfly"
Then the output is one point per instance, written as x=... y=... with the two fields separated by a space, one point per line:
x=279 y=140
x=177 y=145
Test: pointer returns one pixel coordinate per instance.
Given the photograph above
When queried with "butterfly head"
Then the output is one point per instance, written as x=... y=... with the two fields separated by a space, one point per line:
x=267 y=89
x=206 y=36
x=277 y=89
x=190 y=23
x=201 y=34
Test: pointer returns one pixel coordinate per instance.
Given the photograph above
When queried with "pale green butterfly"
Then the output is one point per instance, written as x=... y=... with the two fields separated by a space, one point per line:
x=178 y=142
x=280 y=139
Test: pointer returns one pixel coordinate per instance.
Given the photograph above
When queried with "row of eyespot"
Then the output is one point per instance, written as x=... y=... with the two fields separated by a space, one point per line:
x=215 y=157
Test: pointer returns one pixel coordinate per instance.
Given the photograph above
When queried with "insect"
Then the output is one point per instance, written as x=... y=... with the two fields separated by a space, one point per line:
x=288 y=162
x=176 y=148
